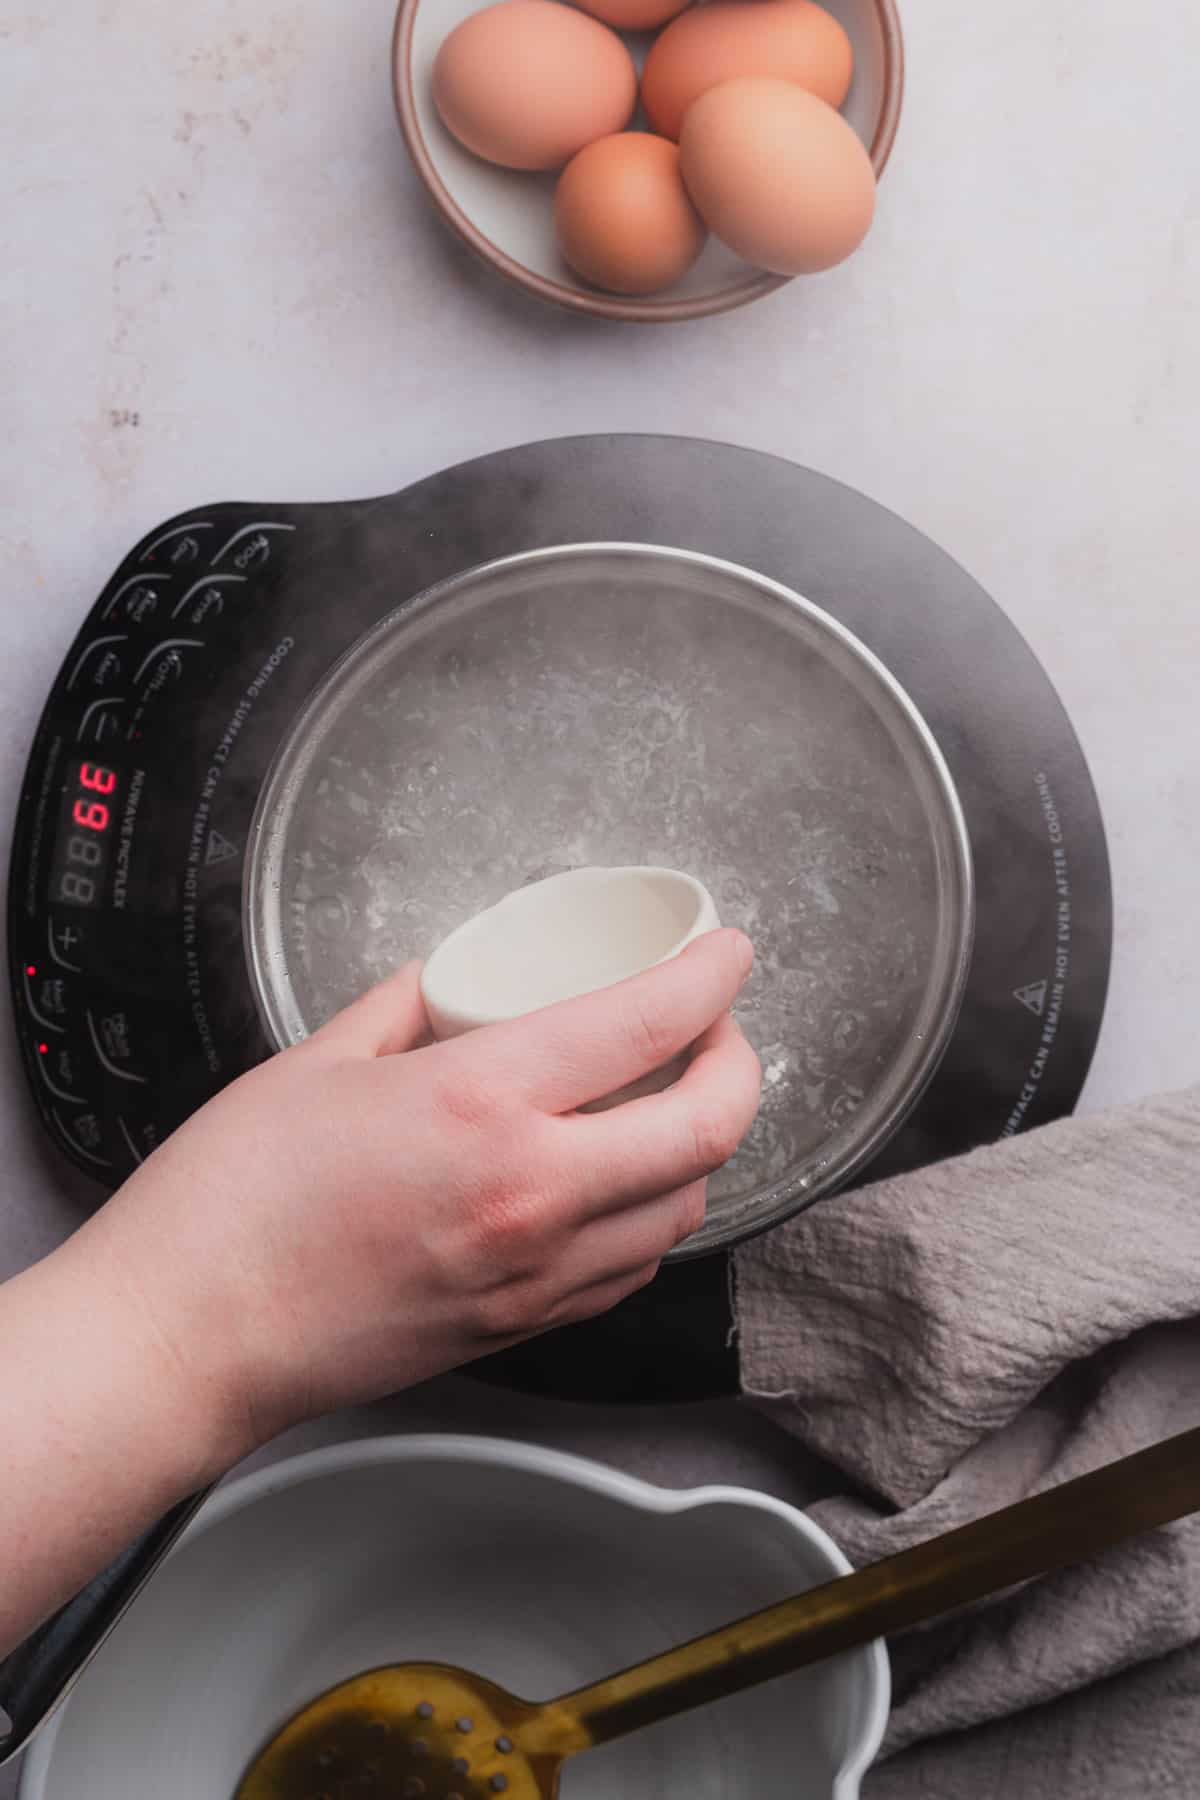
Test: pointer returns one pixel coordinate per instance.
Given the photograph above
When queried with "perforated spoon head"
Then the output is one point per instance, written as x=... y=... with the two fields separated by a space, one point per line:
x=413 y=1731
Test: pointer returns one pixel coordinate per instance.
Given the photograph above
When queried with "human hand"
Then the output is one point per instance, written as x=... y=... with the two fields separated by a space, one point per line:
x=367 y=1210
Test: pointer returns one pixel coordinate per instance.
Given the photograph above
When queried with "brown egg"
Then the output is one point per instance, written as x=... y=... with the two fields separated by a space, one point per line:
x=777 y=175
x=634 y=15
x=623 y=217
x=527 y=83
x=791 y=40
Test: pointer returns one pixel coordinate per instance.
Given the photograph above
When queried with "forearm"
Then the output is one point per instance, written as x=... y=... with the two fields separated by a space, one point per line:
x=343 y=1221
x=101 y=1429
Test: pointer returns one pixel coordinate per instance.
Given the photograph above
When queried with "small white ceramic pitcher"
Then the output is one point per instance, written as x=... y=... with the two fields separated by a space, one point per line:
x=556 y=939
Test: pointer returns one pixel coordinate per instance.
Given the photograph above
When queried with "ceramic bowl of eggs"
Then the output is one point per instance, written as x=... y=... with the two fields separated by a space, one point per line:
x=651 y=160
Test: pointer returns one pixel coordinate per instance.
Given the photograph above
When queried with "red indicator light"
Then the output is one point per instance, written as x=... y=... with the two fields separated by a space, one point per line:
x=43 y=1049
x=31 y=968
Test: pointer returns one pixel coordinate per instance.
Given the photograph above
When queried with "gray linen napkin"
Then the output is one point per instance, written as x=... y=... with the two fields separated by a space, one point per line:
x=955 y=1339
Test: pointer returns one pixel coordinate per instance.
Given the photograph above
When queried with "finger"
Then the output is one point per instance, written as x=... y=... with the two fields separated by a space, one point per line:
x=668 y=1140
x=584 y=1049
x=384 y=1021
x=613 y=1247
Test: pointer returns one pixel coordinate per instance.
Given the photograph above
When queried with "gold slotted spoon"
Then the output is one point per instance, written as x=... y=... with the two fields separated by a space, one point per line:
x=425 y=1731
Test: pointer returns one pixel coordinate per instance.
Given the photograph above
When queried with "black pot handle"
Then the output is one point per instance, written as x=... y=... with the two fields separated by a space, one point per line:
x=40 y=1672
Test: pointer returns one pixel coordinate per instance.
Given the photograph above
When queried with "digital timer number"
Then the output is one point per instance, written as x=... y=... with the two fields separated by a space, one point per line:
x=81 y=855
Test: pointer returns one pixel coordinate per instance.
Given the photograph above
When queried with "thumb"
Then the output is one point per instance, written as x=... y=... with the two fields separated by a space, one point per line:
x=384 y=1021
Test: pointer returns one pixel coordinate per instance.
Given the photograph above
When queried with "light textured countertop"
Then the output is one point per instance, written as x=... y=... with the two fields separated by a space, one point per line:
x=219 y=280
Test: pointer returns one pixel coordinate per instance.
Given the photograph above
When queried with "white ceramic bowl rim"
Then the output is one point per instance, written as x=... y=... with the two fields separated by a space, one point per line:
x=443 y=973
x=555 y=1465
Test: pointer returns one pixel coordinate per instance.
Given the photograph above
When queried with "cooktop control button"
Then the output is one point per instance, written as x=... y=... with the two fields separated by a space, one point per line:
x=179 y=546
x=254 y=552
x=140 y=1137
x=59 y=1069
x=66 y=940
x=184 y=550
x=64 y=1065
x=137 y=599
x=112 y=1040
x=101 y=653
x=167 y=656
x=99 y=720
x=250 y=548
x=85 y=1134
x=105 y=671
x=46 y=997
x=141 y=603
x=205 y=600
x=87 y=1130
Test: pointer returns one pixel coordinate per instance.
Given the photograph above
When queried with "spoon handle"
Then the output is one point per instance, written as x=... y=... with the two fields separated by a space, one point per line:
x=41 y=1671
x=1065 y=1525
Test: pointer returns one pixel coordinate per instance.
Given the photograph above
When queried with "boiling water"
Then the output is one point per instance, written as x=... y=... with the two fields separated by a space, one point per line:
x=512 y=740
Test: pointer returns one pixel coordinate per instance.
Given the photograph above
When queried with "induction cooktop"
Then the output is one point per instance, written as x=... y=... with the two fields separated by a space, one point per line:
x=133 y=1001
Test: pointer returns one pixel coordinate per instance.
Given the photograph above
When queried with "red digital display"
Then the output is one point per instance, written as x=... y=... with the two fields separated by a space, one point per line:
x=81 y=854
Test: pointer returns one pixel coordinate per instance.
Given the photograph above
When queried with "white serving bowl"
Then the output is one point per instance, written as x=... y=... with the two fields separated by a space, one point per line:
x=540 y=1570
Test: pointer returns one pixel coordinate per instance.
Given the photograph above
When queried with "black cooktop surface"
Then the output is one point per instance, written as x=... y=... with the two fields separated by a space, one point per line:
x=133 y=1001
